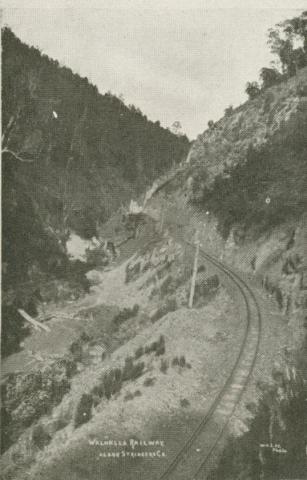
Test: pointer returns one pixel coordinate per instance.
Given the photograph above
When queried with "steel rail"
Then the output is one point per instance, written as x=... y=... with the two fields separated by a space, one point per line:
x=259 y=324
x=215 y=404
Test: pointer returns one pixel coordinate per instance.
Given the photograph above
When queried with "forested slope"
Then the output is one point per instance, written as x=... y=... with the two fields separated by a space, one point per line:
x=71 y=156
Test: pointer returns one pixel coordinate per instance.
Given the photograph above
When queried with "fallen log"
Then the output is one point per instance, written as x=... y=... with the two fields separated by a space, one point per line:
x=37 y=325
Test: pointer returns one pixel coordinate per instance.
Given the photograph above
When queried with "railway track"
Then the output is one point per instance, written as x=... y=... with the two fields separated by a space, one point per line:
x=188 y=463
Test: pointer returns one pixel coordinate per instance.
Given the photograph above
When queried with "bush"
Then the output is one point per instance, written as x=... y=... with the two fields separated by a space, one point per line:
x=125 y=314
x=170 y=305
x=132 y=371
x=139 y=352
x=149 y=382
x=158 y=346
x=132 y=272
x=164 y=365
x=98 y=390
x=182 y=361
x=68 y=364
x=76 y=350
x=160 y=349
x=111 y=384
x=85 y=337
x=279 y=297
x=128 y=368
x=175 y=361
x=252 y=89
x=184 y=402
x=269 y=77
x=228 y=111
x=128 y=396
x=40 y=437
x=84 y=410
x=137 y=370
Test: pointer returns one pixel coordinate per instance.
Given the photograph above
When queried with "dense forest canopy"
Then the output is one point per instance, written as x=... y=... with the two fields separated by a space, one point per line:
x=72 y=154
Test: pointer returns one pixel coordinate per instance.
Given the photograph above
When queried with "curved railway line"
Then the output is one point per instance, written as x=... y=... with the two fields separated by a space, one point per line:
x=211 y=430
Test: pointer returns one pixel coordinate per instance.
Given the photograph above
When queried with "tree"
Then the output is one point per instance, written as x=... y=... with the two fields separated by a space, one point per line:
x=176 y=128
x=228 y=111
x=252 y=89
x=288 y=40
x=269 y=77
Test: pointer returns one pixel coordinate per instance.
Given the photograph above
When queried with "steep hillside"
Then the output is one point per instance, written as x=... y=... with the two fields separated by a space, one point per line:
x=250 y=167
x=71 y=157
x=244 y=186
x=76 y=154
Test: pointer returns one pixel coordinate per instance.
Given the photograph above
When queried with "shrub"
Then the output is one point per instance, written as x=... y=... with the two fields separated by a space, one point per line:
x=137 y=393
x=132 y=371
x=107 y=386
x=184 y=402
x=139 y=352
x=40 y=437
x=228 y=111
x=85 y=337
x=76 y=350
x=182 y=361
x=148 y=348
x=84 y=410
x=111 y=383
x=252 y=89
x=160 y=349
x=135 y=310
x=157 y=346
x=201 y=268
x=175 y=361
x=128 y=396
x=137 y=370
x=164 y=365
x=128 y=368
x=269 y=77
x=149 y=382
x=98 y=390
x=125 y=314
x=132 y=272
x=279 y=297
x=68 y=364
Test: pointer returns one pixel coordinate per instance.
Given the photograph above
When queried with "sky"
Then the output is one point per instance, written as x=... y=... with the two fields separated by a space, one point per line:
x=176 y=60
